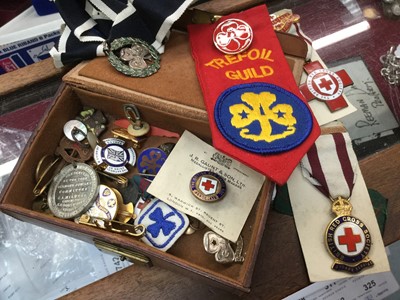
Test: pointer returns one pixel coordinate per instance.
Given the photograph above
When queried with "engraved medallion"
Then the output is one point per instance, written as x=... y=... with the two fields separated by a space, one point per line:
x=115 y=156
x=73 y=191
x=348 y=239
x=106 y=204
x=208 y=186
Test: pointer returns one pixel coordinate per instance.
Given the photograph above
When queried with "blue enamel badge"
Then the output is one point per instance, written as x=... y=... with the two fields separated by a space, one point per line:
x=262 y=118
x=164 y=224
x=151 y=160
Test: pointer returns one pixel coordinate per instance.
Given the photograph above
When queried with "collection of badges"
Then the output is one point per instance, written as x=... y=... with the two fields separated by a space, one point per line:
x=347 y=239
x=86 y=182
x=256 y=116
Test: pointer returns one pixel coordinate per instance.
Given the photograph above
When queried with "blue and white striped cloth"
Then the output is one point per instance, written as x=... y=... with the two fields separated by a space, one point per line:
x=91 y=22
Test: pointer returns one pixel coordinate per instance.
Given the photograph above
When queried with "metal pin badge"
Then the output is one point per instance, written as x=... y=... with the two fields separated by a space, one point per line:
x=72 y=151
x=138 y=127
x=133 y=57
x=232 y=36
x=115 y=156
x=75 y=130
x=208 y=186
x=150 y=160
x=106 y=204
x=126 y=211
x=94 y=120
x=221 y=247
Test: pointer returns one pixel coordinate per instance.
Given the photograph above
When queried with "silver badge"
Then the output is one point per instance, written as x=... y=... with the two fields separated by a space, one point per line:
x=73 y=191
x=221 y=247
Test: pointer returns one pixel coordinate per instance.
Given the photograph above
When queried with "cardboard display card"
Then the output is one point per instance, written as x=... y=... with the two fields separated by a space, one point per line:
x=191 y=155
x=312 y=213
x=319 y=108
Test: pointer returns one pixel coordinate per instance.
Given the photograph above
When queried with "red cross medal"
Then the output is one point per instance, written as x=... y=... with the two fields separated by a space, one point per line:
x=330 y=165
x=348 y=239
x=208 y=186
x=325 y=85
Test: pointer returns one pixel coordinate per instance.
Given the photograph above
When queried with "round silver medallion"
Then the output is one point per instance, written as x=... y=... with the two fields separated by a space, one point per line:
x=73 y=191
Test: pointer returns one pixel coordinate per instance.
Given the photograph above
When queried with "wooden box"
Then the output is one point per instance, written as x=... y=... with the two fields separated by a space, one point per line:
x=169 y=99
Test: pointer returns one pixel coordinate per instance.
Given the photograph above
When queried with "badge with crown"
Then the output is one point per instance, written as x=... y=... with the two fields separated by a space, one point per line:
x=348 y=239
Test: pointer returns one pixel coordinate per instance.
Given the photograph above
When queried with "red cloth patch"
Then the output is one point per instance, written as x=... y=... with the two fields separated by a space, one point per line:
x=264 y=61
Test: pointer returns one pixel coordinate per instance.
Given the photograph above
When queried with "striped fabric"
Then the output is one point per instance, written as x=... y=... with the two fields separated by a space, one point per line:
x=91 y=22
x=331 y=165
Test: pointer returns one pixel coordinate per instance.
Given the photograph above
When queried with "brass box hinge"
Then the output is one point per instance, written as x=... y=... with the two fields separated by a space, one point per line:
x=203 y=17
x=124 y=254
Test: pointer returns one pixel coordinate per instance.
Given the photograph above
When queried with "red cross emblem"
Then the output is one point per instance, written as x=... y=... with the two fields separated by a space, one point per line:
x=349 y=239
x=208 y=186
x=325 y=85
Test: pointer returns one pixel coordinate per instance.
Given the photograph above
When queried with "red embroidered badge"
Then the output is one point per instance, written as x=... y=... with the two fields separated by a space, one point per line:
x=263 y=62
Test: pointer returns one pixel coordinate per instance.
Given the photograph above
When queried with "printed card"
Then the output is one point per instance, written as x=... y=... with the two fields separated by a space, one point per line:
x=312 y=214
x=190 y=156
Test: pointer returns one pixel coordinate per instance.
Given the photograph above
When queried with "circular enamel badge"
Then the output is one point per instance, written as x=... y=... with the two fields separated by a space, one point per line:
x=208 y=186
x=324 y=84
x=151 y=160
x=348 y=239
x=262 y=118
x=232 y=36
x=115 y=156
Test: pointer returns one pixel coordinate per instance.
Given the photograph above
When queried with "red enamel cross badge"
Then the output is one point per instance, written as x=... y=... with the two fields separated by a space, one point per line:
x=208 y=186
x=325 y=85
x=349 y=239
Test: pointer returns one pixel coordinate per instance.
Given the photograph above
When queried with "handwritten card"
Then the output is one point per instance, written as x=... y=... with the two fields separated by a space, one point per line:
x=373 y=114
x=191 y=155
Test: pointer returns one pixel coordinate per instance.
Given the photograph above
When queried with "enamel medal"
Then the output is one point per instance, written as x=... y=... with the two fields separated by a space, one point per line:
x=330 y=165
x=348 y=239
x=115 y=156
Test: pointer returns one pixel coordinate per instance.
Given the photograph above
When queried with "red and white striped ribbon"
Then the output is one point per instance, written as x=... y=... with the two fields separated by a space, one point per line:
x=330 y=165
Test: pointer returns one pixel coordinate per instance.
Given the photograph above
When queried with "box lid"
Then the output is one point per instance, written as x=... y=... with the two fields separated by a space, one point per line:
x=175 y=85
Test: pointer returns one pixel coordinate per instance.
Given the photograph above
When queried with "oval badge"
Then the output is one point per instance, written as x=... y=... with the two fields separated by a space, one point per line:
x=262 y=118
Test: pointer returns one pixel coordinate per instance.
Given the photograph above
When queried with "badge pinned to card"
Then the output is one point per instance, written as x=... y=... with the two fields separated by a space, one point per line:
x=191 y=156
x=325 y=91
